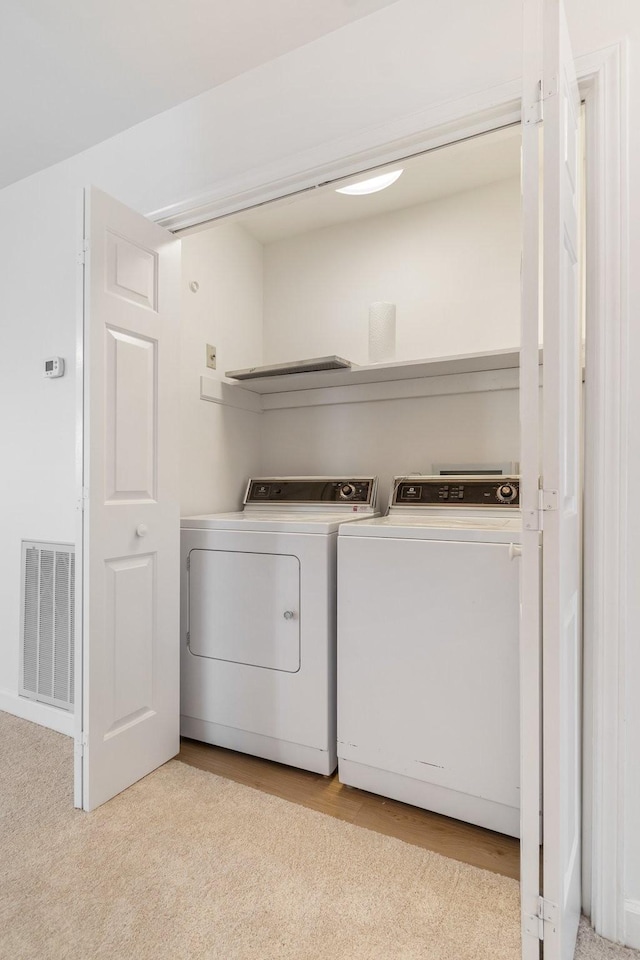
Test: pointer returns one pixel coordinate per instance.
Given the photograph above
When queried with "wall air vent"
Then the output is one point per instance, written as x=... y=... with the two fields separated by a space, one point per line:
x=47 y=620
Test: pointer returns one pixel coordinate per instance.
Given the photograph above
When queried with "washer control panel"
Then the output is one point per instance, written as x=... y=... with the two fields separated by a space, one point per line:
x=462 y=491
x=312 y=490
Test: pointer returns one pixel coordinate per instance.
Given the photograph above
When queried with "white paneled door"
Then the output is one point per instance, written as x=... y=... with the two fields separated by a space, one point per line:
x=562 y=578
x=131 y=516
x=552 y=111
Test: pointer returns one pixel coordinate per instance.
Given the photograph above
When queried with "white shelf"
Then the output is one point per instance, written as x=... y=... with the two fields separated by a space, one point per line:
x=465 y=373
x=383 y=372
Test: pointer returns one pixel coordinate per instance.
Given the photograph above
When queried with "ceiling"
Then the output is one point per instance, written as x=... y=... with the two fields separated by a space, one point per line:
x=456 y=168
x=76 y=72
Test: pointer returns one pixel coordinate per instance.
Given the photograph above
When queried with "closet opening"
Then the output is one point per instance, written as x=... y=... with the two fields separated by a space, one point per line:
x=300 y=278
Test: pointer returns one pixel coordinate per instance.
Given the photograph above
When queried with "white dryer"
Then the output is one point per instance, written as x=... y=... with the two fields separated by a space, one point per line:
x=258 y=610
x=428 y=649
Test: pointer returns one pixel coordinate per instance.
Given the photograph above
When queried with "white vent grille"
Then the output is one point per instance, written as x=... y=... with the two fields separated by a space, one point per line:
x=48 y=599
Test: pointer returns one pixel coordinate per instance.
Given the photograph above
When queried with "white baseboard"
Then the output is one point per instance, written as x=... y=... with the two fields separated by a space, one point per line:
x=52 y=717
x=632 y=923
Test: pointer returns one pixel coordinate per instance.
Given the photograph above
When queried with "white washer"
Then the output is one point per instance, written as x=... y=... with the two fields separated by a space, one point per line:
x=428 y=649
x=258 y=616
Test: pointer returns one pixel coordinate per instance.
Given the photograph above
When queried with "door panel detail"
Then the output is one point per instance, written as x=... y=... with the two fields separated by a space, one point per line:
x=131 y=417
x=130 y=623
x=571 y=682
x=131 y=271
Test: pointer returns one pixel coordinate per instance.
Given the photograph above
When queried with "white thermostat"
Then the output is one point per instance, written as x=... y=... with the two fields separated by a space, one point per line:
x=54 y=367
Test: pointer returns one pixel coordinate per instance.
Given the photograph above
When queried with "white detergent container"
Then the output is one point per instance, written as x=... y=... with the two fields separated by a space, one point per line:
x=258 y=613
x=428 y=649
x=382 y=332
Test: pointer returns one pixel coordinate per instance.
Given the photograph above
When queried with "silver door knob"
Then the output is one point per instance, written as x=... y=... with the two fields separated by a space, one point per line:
x=289 y=614
x=142 y=530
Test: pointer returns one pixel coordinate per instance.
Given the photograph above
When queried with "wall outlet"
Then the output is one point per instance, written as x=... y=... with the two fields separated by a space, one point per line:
x=211 y=357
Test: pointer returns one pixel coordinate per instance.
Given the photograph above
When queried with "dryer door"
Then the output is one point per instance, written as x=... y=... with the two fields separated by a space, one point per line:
x=244 y=608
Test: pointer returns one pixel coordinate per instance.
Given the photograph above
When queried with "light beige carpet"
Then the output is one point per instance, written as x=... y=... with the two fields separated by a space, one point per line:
x=188 y=866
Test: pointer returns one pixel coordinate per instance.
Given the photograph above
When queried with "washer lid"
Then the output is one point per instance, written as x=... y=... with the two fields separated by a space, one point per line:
x=503 y=529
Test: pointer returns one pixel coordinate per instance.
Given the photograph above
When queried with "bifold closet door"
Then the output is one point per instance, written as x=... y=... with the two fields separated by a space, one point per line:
x=551 y=603
x=131 y=516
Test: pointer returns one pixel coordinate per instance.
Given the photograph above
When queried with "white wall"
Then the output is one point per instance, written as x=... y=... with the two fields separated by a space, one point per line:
x=308 y=100
x=389 y=437
x=37 y=416
x=220 y=444
x=311 y=106
x=452 y=267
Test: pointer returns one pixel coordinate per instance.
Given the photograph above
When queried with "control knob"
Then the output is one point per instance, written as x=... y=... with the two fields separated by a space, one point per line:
x=507 y=492
x=347 y=491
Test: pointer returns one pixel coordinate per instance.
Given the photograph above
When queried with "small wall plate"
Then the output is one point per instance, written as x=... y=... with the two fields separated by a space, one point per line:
x=54 y=367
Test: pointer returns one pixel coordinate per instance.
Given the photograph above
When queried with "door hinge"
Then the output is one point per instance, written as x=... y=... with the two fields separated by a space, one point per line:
x=79 y=745
x=532 y=520
x=534 y=926
x=548 y=500
x=547 y=913
x=83 y=499
x=533 y=111
x=81 y=255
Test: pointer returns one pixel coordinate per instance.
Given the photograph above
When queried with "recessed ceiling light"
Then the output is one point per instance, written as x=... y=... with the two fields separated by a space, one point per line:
x=372 y=185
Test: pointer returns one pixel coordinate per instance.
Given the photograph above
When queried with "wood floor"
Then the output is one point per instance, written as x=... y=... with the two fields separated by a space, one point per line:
x=460 y=841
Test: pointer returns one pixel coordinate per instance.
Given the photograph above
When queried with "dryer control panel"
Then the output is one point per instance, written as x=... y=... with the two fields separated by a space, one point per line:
x=316 y=491
x=462 y=491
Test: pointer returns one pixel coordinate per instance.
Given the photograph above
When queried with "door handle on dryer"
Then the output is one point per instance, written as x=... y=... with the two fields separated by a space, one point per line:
x=514 y=551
